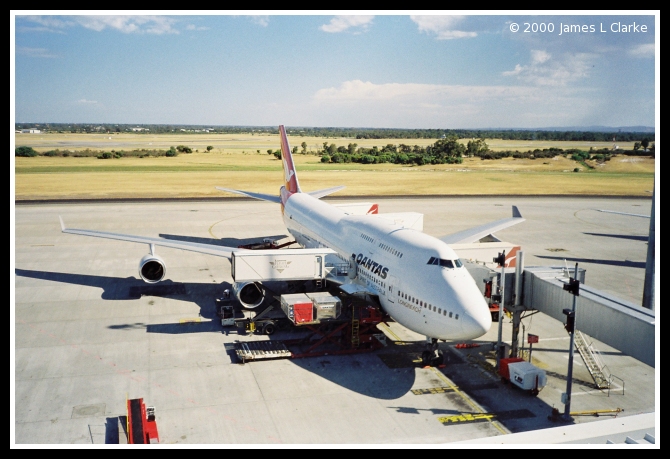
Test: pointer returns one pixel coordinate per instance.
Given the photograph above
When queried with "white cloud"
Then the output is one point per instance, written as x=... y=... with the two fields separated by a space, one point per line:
x=34 y=52
x=544 y=70
x=365 y=103
x=54 y=24
x=539 y=57
x=195 y=27
x=86 y=102
x=128 y=24
x=646 y=50
x=444 y=27
x=260 y=20
x=415 y=93
x=342 y=23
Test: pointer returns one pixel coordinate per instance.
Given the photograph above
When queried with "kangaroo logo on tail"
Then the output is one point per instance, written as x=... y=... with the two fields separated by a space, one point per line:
x=290 y=177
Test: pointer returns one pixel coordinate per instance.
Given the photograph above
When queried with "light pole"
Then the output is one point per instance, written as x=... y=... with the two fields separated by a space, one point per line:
x=500 y=259
x=573 y=287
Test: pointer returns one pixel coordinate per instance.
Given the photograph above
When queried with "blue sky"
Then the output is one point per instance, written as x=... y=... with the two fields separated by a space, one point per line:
x=382 y=69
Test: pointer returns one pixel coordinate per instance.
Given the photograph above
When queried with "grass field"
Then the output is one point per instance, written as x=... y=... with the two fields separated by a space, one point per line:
x=235 y=163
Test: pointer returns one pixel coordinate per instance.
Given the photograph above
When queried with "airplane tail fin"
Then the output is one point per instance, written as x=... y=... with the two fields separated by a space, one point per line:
x=290 y=178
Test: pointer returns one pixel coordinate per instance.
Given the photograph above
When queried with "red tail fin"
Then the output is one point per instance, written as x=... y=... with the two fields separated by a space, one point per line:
x=290 y=177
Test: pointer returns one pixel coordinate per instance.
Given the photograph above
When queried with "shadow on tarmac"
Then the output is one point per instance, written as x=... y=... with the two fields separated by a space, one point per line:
x=624 y=264
x=132 y=288
x=621 y=236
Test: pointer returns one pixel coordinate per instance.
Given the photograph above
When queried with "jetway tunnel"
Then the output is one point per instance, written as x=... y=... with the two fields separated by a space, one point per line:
x=616 y=322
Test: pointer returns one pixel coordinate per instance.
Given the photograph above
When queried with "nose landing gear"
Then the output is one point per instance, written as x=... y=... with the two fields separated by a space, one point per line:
x=432 y=356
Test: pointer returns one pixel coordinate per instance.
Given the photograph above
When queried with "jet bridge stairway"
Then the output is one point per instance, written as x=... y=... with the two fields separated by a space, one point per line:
x=591 y=359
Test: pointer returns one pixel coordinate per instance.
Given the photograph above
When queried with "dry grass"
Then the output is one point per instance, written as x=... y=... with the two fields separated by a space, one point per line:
x=197 y=174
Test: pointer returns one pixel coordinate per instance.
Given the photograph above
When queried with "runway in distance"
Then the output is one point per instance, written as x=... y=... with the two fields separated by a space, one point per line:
x=419 y=279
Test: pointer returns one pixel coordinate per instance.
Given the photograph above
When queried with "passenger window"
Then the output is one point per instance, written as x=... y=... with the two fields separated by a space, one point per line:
x=450 y=314
x=456 y=317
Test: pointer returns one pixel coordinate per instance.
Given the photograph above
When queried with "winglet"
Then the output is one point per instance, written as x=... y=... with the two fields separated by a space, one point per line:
x=478 y=233
x=62 y=225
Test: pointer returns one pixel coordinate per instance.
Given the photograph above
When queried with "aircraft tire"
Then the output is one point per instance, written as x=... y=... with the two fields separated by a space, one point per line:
x=426 y=357
x=269 y=328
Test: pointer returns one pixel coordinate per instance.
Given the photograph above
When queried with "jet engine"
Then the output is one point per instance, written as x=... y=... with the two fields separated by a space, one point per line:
x=152 y=268
x=250 y=294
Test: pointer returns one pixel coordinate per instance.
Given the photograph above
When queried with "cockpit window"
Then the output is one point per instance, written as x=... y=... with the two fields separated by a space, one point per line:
x=445 y=263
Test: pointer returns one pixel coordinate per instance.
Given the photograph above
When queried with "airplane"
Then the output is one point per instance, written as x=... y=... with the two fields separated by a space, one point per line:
x=419 y=280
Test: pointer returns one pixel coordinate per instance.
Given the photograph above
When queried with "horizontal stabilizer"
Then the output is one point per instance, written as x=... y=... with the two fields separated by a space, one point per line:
x=480 y=232
x=250 y=194
x=210 y=249
x=325 y=192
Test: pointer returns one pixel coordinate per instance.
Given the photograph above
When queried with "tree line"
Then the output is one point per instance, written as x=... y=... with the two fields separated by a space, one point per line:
x=28 y=152
x=450 y=151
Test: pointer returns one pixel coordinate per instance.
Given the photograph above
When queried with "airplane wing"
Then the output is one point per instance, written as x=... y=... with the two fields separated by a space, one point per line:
x=352 y=288
x=210 y=249
x=479 y=232
x=250 y=194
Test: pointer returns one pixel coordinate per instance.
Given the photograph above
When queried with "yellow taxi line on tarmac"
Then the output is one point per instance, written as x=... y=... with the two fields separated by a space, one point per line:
x=393 y=335
x=475 y=407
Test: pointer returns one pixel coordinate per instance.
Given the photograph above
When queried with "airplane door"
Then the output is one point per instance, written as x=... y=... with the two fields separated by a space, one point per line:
x=319 y=272
x=392 y=288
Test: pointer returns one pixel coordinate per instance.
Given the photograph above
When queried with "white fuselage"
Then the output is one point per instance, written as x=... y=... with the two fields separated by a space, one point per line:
x=401 y=265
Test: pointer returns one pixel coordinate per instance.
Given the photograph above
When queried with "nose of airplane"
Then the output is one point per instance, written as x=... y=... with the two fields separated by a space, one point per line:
x=477 y=317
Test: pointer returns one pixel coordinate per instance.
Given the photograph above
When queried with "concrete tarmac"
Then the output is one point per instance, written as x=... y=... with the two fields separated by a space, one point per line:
x=88 y=333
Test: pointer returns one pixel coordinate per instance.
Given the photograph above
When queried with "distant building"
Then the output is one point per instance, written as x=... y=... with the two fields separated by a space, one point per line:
x=30 y=131
x=139 y=129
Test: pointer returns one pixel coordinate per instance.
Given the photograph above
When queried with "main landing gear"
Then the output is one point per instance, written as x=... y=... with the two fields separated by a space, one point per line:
x=432 y=356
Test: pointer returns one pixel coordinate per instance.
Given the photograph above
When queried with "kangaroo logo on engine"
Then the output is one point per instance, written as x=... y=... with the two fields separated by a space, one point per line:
x=371 y=265
x=280 y=265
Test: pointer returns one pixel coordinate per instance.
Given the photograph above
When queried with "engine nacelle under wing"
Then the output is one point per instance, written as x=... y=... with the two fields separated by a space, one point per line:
x=250 y=294
x=152 y=269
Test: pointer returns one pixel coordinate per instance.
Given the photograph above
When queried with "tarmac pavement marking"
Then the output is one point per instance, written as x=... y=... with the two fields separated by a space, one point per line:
x=468 y=400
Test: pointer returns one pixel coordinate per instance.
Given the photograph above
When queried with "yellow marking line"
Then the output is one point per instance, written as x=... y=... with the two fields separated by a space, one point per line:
x=475 y=407
x=396 y=337
x=466 y=417
x=432 y=390
x=189 y=321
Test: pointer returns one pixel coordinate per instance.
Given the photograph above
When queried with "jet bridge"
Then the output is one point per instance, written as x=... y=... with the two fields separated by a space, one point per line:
x=618 y=323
